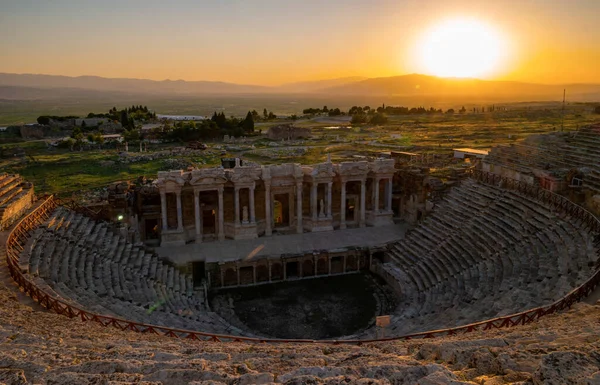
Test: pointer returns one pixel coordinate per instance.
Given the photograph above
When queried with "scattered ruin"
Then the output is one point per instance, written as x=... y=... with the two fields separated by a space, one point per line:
x=288 y=132
x=16 y=197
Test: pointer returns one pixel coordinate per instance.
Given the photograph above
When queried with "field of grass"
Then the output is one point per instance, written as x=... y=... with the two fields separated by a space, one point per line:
x=62 y=171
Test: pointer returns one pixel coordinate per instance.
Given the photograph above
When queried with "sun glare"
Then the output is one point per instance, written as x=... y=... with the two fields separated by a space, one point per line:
x=461 y=48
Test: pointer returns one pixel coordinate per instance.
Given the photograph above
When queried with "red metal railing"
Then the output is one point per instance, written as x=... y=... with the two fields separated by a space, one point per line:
x=20 y=233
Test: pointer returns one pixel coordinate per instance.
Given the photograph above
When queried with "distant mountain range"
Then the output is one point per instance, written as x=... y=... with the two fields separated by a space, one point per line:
x=29 y=86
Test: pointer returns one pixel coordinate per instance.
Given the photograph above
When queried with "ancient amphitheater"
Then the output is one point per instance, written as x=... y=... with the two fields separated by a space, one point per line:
x=494 y=268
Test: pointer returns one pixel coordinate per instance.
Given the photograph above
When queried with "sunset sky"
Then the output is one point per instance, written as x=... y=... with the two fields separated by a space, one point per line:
x=275 y=41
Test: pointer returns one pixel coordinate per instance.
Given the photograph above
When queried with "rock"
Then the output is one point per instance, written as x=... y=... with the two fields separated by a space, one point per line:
x=253 y=378
x=98 y=367
x=69 y=378
x=162 y=356
x=13 y=377
x=213 y=356
x=405 y=374
x=563 y=368
x=302 y=380
x=439 y=378
x=319 y=372
x=453 y=352
x=183 y=376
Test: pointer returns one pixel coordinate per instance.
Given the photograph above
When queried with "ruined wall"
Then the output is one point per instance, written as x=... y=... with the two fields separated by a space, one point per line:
x=13 y=211
x=287 y=132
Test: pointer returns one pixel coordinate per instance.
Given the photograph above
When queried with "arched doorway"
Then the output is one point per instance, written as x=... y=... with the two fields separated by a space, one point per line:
x=308 y=268
x=230 y=277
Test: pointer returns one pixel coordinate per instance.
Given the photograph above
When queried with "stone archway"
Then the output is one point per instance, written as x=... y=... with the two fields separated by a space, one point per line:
x=308 y=268
x=230 y=277
x=322 y=266
x=337 y=264
x=246 y=275
x=276 y=272
x=262 y=273
x=351 y=263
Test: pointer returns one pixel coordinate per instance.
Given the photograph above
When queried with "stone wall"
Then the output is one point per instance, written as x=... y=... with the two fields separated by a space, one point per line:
x=12 y=212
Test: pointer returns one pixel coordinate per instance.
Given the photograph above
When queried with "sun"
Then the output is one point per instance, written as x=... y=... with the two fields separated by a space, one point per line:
x=460 y=48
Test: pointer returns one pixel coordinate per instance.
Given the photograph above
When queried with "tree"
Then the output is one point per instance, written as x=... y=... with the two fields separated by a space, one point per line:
x=325 y=109
x=77 y=135
x=83 y=124
x=462 y=110
x=124 y=119
x=379 y=119
x=271 y=116
x=248 y=123
x=131 y=135
x=294 y=117
x=265 y=114
x=335 y=112
x=450 y=111
x=358 y=118
x=597 y=110
x=98 y=138
x=45 y=120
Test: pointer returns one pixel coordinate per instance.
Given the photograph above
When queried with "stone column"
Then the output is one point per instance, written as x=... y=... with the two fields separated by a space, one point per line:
x=313 y=201
x=329 y=262
x=179 y=212
x=197 y=216
x=236 y=205
x=343 y=207
x=291 y=209
x=329 y=199
x=254 y=273
x=163 y=209
x=269 y=262
x=268 y=215
x=252 y=209
x=221 y=233
x=363 y=192
x=344 y=259
x=376 y=202
x=389 y=195
x=237 y=268
x=299 y=207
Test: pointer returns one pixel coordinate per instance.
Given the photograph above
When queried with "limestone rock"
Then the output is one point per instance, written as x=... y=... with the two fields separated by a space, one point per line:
x=254 y=379
x=13 y=377
x=568 y=367
x=182 y=376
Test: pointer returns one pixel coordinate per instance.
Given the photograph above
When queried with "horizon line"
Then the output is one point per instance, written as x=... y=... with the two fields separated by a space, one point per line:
x=301 y=81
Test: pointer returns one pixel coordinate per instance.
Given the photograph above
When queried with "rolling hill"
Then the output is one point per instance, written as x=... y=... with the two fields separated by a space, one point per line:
x=415 y=86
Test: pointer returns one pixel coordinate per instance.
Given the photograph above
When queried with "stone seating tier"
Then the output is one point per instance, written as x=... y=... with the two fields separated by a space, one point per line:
x=485 y=252
x=88 y=265
x=574 y=150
